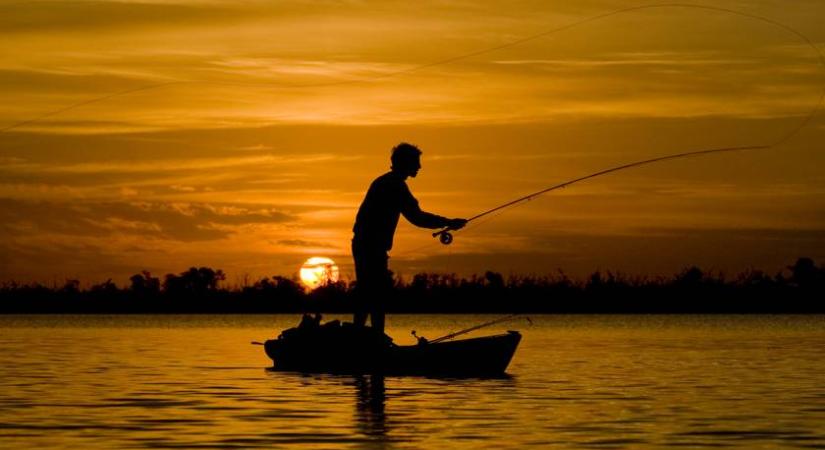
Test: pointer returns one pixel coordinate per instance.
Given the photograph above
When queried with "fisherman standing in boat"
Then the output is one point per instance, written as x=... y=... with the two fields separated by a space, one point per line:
x=387 y=198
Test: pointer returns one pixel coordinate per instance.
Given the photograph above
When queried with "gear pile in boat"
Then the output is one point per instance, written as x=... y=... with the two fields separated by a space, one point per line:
x=335 y=347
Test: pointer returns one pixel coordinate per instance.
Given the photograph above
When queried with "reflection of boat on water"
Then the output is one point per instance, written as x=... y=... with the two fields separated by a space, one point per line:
x=343 y=348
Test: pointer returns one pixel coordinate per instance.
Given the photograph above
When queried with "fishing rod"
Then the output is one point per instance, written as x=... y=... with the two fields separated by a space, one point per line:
x=478 y=327
x=445 y=236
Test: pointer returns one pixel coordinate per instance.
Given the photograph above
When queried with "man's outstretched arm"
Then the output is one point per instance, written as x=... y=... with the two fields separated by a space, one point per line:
x=423 y=219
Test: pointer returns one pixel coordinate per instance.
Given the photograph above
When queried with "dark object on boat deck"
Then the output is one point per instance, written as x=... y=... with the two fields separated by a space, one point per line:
x=344 y=348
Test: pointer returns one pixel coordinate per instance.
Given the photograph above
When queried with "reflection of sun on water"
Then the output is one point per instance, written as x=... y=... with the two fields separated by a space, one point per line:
x=318 y=271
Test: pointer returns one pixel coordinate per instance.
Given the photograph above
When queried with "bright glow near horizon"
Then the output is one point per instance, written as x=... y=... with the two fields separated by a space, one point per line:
x=255 y=159
x=318 y=271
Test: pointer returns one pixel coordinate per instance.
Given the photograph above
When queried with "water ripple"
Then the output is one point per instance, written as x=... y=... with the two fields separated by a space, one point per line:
x=577 y=382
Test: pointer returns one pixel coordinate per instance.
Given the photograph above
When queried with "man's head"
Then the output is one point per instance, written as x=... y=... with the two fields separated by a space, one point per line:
x=406 y=159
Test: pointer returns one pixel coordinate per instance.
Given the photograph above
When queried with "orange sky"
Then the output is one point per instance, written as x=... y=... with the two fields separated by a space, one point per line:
x=254 y=157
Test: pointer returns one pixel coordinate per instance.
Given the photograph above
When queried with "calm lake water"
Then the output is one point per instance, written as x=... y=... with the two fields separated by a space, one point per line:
x=576 y=382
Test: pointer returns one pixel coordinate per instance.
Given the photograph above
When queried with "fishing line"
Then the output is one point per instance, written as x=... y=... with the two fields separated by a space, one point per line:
x=445 y=236
x=419 y=67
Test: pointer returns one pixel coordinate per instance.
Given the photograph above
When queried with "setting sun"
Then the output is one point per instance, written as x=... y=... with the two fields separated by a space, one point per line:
x=317 y=271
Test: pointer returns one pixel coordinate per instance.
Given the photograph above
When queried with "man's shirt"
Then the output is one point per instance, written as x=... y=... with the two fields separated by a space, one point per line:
x=387 y=198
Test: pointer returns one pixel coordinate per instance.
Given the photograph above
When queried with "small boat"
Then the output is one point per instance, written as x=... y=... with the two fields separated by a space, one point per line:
x=347 y=349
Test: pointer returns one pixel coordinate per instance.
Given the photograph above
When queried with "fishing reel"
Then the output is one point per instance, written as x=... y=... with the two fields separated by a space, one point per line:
x=444 y=236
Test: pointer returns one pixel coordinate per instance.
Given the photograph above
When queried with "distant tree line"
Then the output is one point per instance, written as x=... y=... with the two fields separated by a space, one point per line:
x=798 y=289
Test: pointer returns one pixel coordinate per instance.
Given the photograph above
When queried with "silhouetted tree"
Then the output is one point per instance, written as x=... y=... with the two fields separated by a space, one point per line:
x=331 y=296
x=692 y=276
x=287 y=287
x=755 y=279
x=195 y=281
x=106 y=288
x=595 y=281
x=494 y=280
x=71 y=287
x=276 y=287
x=804 y=272
x=199 y=290
x=144 y=284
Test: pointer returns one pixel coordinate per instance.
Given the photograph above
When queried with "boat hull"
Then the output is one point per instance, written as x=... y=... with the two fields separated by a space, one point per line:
x=483 y=356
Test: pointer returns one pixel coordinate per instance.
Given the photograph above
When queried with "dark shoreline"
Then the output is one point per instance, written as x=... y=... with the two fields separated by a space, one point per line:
x=798 y=290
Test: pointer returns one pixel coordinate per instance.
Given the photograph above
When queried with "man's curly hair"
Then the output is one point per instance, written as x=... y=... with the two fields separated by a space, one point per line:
x=404 y=154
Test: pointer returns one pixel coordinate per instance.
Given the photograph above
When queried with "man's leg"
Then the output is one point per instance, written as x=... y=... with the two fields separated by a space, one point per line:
x=359 y=318
x=361 y=301
x=383 y=289
x=364 y=300
x=377 y=319
x=372 y=280
x=364 y=281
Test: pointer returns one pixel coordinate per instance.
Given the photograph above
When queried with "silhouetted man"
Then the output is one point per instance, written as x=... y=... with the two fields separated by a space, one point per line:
x=387 y=198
